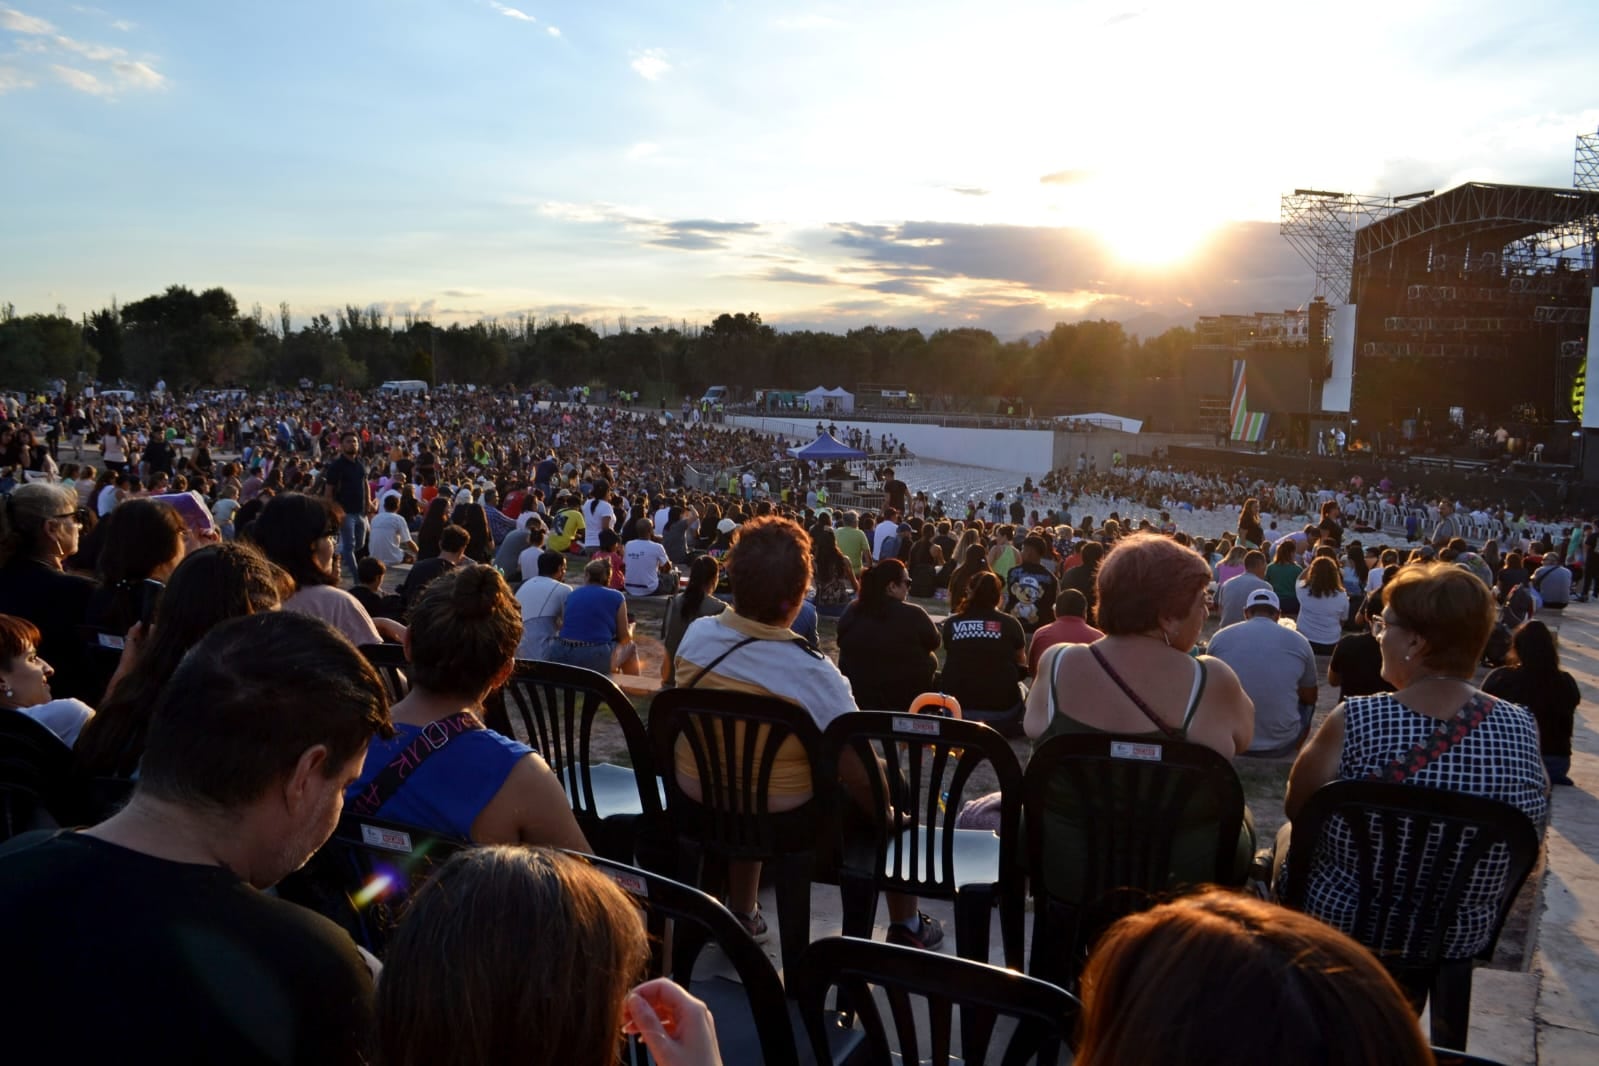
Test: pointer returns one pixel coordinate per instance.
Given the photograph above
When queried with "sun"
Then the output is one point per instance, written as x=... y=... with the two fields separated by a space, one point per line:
x=1143 y=228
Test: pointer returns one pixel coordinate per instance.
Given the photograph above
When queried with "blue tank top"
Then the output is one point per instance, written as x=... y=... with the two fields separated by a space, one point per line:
x=450 y=788
x=590 y=614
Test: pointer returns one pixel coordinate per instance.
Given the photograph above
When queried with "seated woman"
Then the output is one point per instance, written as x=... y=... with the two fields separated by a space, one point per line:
x=836 y=586
x=985 y=655
x=144 y=539
x=39 y=528
x=461 y=779
x=212 y=585
x=1283 y=573
x=1533 y=678
x=301 y=534
x=1293 y=985
x=974 y=561
x=1435 y=622
x=885 y=645
x=595 y=631
x=1323 y=605
x=695 y=601
x=1141 y=679
x=25 y=682
x=524 y=955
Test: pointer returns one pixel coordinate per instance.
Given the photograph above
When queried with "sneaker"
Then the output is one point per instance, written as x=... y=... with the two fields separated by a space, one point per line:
x=928 y=937
x=754 y=924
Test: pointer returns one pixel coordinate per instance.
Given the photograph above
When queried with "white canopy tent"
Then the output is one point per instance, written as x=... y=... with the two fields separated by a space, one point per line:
x=831 y=400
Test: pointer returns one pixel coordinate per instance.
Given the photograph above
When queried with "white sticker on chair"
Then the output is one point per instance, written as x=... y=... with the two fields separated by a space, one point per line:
x=921 y=726
x=1121 y=749
x=388 y=839
x=632 y=883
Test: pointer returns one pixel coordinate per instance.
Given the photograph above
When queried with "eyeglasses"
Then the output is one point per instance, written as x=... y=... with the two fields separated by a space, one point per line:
x=1379 y=623
x=80 y=516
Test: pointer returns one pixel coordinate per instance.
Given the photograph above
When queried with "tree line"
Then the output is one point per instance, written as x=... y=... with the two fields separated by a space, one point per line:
x=190 y=339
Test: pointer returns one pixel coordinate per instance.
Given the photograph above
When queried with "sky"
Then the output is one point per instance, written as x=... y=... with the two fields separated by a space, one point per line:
x=1006 y=165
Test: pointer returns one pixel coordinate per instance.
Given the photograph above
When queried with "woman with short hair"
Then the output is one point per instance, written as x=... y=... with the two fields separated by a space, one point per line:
x=39 y=529
x=1435 y=622
x=1141 y=678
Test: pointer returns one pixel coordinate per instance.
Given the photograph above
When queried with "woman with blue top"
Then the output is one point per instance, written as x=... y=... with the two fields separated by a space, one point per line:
x=595 y=631
x=443 y=770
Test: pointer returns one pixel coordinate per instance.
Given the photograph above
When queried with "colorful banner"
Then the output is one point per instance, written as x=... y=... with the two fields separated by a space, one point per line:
x=1247 y=426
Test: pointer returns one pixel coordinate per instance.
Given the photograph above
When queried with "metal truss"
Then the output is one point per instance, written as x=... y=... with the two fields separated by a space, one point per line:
x=1321 y=227
x=1497 y=215
x=1585 y=172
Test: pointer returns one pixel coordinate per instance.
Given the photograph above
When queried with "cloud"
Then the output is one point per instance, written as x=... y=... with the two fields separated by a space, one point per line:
x=511 y=12
x=12 y=78
x=968 y=190
x=124 y=25
x=686 y=235
x=643 y=150
x=99 y=53
x=1125 y=16
x=82 y=81
x=650 y=64
x=464 y=294
x=794 y=277
x=553 y=31
x=135 y=75
x=1063 y=177
x=15 y=21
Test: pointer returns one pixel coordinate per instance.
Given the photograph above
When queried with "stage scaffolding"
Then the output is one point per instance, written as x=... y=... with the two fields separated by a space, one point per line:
x=1321 y=226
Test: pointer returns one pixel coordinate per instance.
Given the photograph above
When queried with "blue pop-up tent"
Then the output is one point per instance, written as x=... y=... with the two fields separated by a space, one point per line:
x=824 y=448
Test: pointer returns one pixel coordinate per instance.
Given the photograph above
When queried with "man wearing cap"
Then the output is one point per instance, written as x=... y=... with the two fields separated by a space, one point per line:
x=1277 y=668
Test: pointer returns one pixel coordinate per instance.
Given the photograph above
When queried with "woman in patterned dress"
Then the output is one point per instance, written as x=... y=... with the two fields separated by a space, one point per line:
x=1435 y=621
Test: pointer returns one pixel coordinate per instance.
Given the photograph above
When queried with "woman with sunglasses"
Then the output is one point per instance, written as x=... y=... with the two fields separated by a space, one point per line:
x=886 y=645
x=39 y=528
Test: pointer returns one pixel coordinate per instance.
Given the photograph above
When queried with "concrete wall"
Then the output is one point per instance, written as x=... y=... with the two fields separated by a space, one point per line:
x=1026 y=451
x=1101 y=443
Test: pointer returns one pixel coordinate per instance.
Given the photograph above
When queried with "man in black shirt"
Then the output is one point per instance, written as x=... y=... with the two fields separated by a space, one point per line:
x=347 y=486
x=453 y=541
x=1030 y=588
x=250 y=748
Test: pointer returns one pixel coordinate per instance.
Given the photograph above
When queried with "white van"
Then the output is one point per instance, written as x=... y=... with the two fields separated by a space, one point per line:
x=118 y=395
x=715 y=394
x=409 y=387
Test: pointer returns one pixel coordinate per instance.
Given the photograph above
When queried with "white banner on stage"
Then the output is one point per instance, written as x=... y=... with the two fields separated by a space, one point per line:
x=1337 y=389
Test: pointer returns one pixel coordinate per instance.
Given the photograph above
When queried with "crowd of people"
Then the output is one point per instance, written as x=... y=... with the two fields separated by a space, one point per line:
x=183 y=611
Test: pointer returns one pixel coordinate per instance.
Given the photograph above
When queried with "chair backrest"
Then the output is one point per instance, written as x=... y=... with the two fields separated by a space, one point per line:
x=732 y=740
x=389 y=659
x=1128 y=798
x=1407 y=900
x=698 y=919
x=36 y=783
x=363 y=876
x=1045 y=1015
x=933 y=758
x=556 y=706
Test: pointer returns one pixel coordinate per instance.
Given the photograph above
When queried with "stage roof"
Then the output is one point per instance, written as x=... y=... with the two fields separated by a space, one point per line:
x=1489 y=216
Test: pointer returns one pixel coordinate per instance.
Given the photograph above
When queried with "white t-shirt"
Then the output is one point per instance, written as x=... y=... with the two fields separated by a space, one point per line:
x=880 y=537
x=593 y=512
x=542 y=597
x=107 y=501
x=388 y=538
x=643 y=559
x=64 y=718
x=527 y=562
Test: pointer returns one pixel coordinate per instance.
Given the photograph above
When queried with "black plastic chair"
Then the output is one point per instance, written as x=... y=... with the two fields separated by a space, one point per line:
x=37 y=788
x=556 y=707
x=1044 y=1015
x=914 y=846
x=1405 y=919
x=751 y=1014
x=732 y=739
x=1131 y=797
x=362 y=877
x=391 y=664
